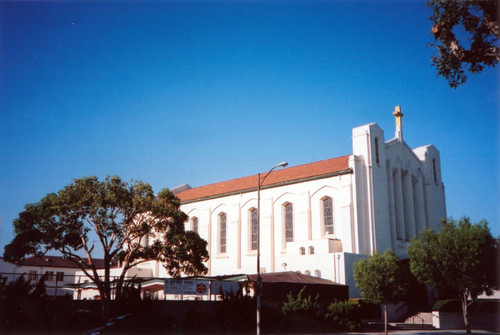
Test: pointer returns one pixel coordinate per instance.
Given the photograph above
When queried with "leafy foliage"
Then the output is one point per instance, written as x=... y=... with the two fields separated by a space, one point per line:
x=128 y=221
x=379 y=277
x=345 y=315
x=300 y=305
x=478 y=20
x=460 y=261
x=461 y=257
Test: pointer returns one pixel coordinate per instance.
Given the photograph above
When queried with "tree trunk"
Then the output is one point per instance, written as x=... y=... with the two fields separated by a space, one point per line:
x=385 y=319
x=106 y=297
x=465 y=312
x=105 y=307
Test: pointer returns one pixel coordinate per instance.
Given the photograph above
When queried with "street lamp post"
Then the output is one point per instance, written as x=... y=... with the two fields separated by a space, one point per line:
x=259 y=278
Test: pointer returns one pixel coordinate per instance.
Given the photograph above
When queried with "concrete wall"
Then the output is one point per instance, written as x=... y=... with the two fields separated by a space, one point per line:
x=399 y=191
x=276 y=253
x=447 y=320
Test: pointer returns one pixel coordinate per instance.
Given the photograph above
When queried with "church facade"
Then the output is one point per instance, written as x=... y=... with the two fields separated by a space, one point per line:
x=319 y=218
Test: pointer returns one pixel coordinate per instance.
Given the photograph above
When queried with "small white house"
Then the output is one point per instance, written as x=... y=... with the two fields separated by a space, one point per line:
x=59 y=272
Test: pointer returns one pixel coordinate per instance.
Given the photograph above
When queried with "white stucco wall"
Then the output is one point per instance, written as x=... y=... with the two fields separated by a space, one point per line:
x=399 y=191
x=308 y=231
x=54 y=286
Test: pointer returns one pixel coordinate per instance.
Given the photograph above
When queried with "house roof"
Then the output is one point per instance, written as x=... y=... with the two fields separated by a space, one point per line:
x=56 y=261
x=321 y=169
x=291 y=277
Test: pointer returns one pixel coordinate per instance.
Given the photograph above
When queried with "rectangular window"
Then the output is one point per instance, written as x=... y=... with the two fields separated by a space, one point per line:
x=434 y=170
x=328 y=216
x=222 y=233
x=32 y=275
x=49 y=275
x=60 y=276
x=194 y=225
x=288 y=222
x=255 y=229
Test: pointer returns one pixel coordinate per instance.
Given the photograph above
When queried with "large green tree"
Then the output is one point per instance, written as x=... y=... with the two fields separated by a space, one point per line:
x=112 y=219
x=379 y=278
x=461 y=260
x=466 y=34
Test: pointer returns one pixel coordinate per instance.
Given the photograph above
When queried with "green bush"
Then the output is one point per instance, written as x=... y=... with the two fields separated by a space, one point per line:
x=345 y=315
x=300 y=305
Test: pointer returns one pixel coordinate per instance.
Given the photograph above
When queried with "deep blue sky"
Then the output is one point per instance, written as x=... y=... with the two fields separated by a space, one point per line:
x=198 y=92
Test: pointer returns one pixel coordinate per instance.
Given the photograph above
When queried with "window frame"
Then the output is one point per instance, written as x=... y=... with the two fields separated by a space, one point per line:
x=288 y=226
x=222 y=238
x=49 y=275
x=60 y=276
x=194 y=224
x=324 y=216
x=32 y=275
x=253 y=222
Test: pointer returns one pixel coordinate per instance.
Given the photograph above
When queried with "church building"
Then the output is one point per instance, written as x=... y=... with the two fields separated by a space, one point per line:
x=319 y=218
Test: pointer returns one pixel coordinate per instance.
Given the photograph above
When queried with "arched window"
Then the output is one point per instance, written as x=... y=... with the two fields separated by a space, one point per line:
x=307 y=272
x=302 y=251
x=311 y=250
x=222 y=233
x=317 y=273
x=327 y=204
x=254 y=229
x=194 y=224
x=288 y=209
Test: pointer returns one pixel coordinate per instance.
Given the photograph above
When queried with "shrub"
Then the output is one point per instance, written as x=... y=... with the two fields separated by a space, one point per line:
x=345 y=315
x=300 y=305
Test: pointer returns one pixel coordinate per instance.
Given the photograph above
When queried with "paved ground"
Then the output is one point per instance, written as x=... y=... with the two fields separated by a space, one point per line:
x=425 y=332
x=413 y=332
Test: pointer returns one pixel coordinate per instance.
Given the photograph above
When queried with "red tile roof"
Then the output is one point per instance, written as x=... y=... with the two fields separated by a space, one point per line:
x=324 y=168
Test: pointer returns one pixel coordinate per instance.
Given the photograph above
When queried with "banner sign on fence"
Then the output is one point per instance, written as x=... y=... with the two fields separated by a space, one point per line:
x=176 y=286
